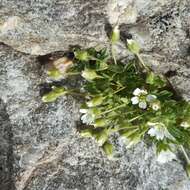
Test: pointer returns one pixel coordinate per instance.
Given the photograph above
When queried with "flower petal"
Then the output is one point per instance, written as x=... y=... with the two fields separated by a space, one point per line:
x=150 y=98
x=166 y=156
x=157 y=132
x=87 y=118
x=135 y=100
x=83 y=110
x=144 y=92
x=137 y=92
x=143 y=105
x=152 y=132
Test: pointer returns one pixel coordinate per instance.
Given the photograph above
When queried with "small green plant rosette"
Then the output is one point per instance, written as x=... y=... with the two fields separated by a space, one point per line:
x=82 y=55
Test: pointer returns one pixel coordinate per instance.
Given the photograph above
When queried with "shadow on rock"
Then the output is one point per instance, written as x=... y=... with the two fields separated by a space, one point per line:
x=6 y=151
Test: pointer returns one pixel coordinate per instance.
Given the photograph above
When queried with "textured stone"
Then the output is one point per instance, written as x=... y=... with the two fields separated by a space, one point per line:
x=40 y=27
x=6 y=153
x=49 y=154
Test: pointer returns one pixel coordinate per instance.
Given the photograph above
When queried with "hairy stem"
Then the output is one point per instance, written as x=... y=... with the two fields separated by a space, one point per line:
x=113 y=54
x=185 y=154
x=113 y=109
x=142 y=62
x=119 y=90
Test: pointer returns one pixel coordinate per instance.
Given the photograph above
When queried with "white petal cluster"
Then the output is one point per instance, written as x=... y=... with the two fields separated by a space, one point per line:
x=138 y=93
x=87 y=117
x=166 y=156
x=159 y=131
x=142 y=98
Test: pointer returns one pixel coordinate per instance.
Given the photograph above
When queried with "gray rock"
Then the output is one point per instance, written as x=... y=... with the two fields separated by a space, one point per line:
x=49 y=154
x=41 y=27
x=6 y=152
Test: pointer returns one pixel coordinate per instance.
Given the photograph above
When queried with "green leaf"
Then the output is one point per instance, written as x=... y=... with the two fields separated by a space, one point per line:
x=182 y=136
x=161 y=146
x=102 y=66
x=100 y=123
x=96 y=101
x=86 y=133
x=116 y=68
x=89 y=74
x=133 y=46
x=155 y=80
x=54 y=94
x=125 y=100
x=102 y=137
x=165 y=94
x=108 y=149
x=128 y=132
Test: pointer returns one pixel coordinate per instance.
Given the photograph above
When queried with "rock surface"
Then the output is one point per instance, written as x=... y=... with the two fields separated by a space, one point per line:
x=40 y=27
x=6 y=153
x=49 y=154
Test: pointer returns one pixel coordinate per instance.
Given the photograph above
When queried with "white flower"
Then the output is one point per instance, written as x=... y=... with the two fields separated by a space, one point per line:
x=87 y=117
x=155 y=106
x=166 y=156
x=137 y=99
x=159 y=131
x=144 y=99
x=185 y=124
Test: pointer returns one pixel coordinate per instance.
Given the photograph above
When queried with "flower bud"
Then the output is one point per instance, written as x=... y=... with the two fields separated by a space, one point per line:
x=115 y=35
x=133 y=46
